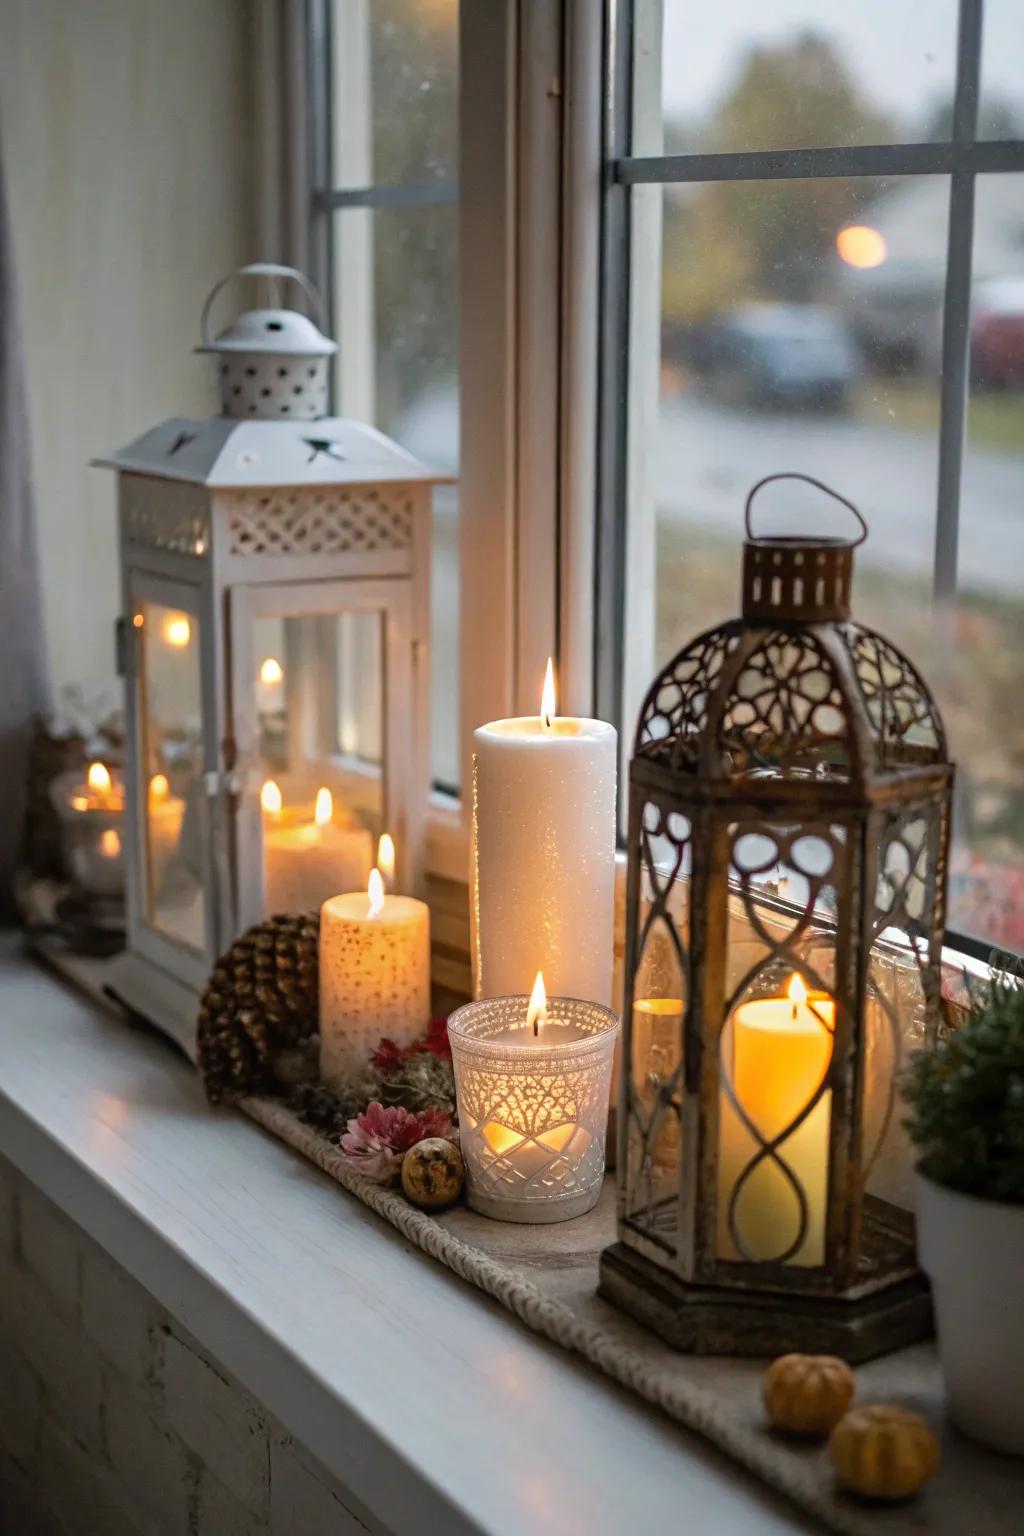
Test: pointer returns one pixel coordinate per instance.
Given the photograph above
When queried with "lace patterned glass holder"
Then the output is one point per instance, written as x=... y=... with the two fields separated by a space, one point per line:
x=533 y=1116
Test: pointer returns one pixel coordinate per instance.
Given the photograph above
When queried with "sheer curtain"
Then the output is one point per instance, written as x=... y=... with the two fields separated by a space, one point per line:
x=24 y=673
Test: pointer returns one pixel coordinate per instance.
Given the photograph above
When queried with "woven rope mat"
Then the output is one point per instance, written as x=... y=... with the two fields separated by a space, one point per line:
x=547 y=1276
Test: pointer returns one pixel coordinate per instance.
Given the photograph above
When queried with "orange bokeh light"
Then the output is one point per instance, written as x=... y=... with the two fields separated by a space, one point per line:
x=861 y=246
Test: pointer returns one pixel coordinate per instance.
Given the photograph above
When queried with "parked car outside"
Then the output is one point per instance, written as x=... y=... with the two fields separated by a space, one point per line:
x=997 y=333
x=772 y=356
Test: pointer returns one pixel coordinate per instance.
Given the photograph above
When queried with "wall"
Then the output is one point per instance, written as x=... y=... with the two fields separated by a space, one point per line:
x=127 y=129
x=112 y=1417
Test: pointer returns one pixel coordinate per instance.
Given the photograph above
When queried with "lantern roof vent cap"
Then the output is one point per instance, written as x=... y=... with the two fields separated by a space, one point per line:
x=278 y=331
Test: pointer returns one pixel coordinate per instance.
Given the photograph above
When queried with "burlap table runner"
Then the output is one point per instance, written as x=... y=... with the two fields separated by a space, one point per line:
x=547 y=1276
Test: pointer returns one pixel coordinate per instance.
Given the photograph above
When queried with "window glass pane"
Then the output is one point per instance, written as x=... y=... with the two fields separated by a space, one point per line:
x=980 y=684
x=396 y=297
x=777 y=354
x=1001 y=108
x=804 y=73
x=172 y=757
x=396 y=89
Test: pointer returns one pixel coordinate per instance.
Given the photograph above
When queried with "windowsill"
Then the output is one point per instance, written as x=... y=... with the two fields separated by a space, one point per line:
x=435 y=1409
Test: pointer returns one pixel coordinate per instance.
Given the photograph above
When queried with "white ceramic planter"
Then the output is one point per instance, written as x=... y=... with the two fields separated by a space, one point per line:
x=973 y=1252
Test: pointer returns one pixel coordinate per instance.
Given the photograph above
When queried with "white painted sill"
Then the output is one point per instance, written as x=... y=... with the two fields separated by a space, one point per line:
x=436 y=1410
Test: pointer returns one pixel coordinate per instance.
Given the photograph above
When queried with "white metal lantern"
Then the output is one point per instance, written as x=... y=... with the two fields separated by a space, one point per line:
x=275 y=568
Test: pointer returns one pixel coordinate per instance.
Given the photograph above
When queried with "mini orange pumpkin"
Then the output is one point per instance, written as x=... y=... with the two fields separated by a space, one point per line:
x=807 y=1394
x=883 y=1452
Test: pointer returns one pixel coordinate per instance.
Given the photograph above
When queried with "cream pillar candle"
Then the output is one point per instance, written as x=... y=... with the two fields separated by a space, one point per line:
x=307 y=861
x=374 y=975
x=544 y=855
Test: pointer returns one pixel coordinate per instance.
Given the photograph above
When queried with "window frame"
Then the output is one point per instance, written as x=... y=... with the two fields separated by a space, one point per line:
x=528 y=195
x=632 y=255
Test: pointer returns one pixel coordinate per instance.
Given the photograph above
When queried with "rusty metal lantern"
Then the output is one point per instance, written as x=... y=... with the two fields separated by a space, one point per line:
x=788 y=836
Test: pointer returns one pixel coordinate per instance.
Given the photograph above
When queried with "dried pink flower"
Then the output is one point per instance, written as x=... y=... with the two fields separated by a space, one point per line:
x=377 y=1140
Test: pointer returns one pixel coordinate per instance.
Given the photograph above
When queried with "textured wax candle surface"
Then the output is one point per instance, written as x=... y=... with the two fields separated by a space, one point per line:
x=544 y=856
x=374 y=977
x=305 y=864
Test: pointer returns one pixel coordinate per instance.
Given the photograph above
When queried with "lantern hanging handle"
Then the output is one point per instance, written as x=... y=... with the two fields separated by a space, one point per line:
x=792 y=474
x=264 y=269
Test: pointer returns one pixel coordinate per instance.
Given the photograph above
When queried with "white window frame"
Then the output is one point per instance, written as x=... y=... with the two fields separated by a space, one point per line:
x=529 y=194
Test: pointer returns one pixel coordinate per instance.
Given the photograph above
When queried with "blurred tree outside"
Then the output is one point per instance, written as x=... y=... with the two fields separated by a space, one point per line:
x=749 y=240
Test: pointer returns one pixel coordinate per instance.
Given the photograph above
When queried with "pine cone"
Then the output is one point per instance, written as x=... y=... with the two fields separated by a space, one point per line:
x=261 y=1000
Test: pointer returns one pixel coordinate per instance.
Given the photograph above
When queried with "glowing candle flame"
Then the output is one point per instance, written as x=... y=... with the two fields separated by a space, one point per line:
x=386 y=857
x=271 y=671
x=861 y=246
x=375 y=891
x=548 y=702
x=270 y=798
x=537 y=1012
x=98 y=779
x=323 y=812
x=110 y=844
x=177 y=630
x=796 y=992
x=159 y=789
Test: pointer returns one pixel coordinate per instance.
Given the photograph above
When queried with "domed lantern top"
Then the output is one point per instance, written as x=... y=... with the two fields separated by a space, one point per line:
x=795 y=689
x=272 y=363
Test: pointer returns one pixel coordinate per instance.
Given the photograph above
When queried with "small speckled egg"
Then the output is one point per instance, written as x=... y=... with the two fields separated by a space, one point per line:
x=432 y=1173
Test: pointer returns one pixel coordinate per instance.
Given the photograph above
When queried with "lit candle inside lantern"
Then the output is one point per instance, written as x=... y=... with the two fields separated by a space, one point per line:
x=544 y=852
x=110 y=844
x=100 y=793
x=177 y=630
x=270 y=688
x=304 y=862
x=90 y=810
x=271 y=799
x=164 y=816
x=532 y=1079
x=781 y=1050
x=374 y=974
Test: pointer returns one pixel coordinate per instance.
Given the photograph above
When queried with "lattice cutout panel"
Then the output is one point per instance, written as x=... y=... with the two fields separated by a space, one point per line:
x=165 y=514
x=330 y=520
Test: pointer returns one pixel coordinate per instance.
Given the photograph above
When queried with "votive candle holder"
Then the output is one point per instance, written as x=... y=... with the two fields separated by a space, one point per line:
x=533 y=1109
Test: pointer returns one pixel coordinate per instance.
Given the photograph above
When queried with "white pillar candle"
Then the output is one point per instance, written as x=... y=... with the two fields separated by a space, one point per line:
x=544 y=855
x=374 y=975
x=305 y=862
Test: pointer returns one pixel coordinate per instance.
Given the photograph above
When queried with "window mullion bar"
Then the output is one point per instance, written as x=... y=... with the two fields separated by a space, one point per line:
x=956 y=310
x=807 y=164
x=422 y=194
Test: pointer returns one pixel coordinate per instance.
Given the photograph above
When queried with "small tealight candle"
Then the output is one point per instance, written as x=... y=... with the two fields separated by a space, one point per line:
x=374 y=975
x=532 y=1077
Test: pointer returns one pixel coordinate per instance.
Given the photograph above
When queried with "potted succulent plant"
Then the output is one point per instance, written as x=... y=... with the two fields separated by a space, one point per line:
x=966 y=1103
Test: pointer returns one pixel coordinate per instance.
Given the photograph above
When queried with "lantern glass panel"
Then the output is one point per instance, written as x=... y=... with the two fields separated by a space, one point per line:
x=321 y=719
x=660 y=992
x=171 y=725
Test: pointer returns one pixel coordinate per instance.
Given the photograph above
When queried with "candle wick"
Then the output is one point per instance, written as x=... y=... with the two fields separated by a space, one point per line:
x=536 y=1028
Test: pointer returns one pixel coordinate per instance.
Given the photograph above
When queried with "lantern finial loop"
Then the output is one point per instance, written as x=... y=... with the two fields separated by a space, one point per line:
x=819 y=485
x=798 y=578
